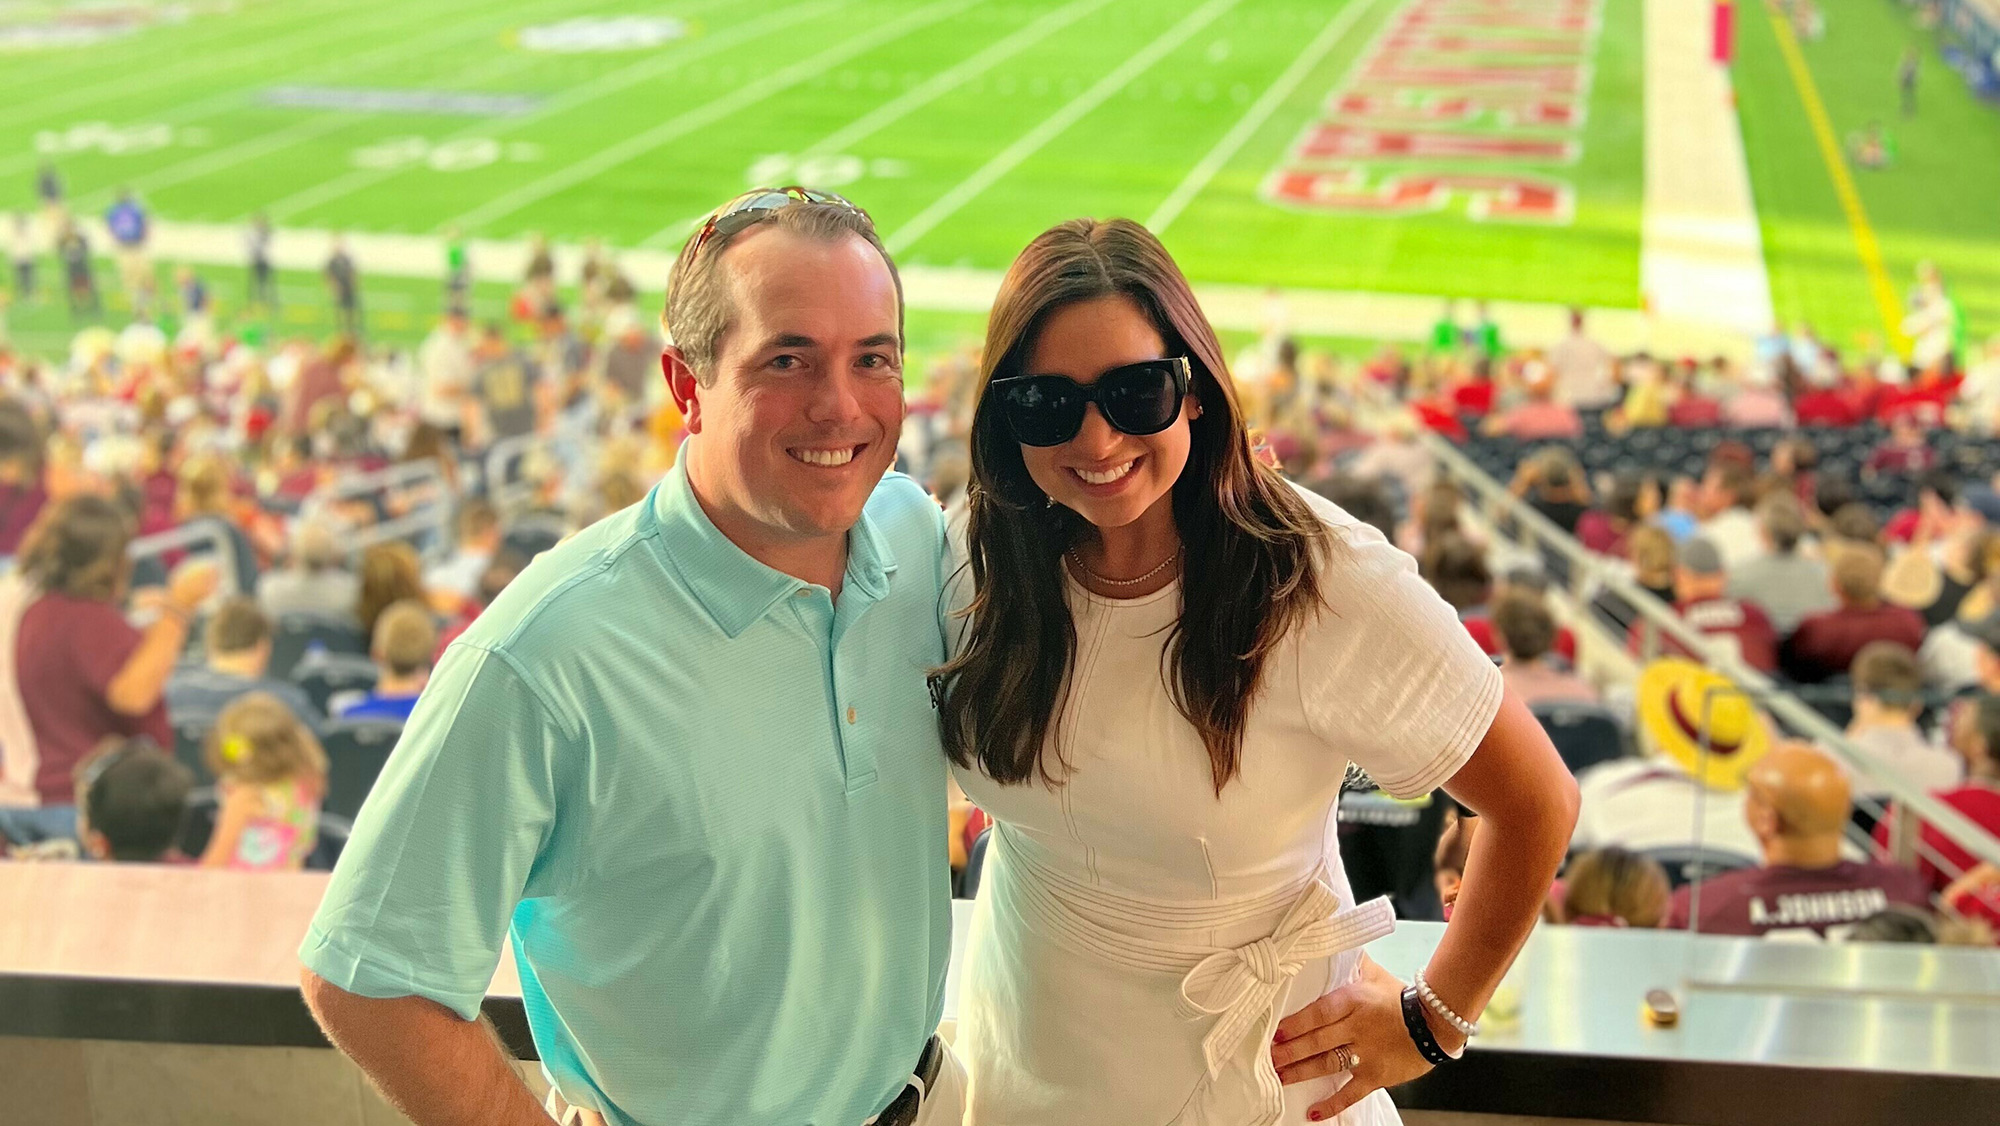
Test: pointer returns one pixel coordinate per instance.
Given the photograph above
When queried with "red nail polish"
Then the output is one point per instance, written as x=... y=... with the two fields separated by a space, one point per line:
x=1278 y=1037
x=1314 y=1116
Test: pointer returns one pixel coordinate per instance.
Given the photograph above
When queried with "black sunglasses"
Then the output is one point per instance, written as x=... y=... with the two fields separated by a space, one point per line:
x=1137 y=399
x=755 y=206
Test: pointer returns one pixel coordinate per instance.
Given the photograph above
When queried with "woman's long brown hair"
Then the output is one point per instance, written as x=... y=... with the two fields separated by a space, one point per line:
x=1248 y=574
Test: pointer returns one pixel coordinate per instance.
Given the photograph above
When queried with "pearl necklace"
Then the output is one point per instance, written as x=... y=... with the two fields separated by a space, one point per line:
x=1093 y=576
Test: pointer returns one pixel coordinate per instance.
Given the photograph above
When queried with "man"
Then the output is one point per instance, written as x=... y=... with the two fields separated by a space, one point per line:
x=1825 y=644
x=1728 y=491
x=313 y=579
x=1701 y=597
x=1888 y=697
x=1527 y=633
x=343 y=283
x=688 y=753
x=1787 y=585
x=405 y=635
x=445 y=361
x=1906 y=80
x=238 y=659
x=478 y=540
x=263 y=278
x=1543 y=416
x=129 y=226
x=1583 y=368
x=81 y=283
x=503 y=385
x=1797 y=805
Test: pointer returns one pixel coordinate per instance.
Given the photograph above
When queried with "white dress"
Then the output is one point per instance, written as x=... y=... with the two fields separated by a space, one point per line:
x=1136 y=937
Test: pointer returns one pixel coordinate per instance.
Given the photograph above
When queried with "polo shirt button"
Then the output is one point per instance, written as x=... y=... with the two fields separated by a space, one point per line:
x=804 y=592
x=850 y=713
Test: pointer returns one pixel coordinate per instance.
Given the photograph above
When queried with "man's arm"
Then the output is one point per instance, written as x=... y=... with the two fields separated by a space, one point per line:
x=435 y=1068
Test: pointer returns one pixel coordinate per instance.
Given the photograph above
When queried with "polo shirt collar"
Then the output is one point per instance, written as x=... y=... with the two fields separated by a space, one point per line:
x=735 y=589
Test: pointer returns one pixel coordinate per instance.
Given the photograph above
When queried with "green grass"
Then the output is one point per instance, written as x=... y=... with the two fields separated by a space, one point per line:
x=1937 y=202
x=231 y=155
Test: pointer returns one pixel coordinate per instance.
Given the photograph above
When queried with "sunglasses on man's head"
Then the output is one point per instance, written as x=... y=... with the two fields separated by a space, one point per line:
x=756 y=205
x=1137 y=399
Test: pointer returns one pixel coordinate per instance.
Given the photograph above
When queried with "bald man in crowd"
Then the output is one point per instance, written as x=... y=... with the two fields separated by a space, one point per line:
x=1797 y=806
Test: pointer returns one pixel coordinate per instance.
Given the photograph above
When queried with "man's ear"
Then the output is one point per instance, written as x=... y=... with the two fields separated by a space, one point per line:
x=683 y=386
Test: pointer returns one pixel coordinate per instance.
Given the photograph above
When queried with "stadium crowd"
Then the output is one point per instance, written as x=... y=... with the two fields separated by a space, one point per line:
x=233 y=561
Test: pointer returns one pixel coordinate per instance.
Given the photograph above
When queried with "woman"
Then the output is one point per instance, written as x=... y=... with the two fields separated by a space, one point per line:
x=1171 y=656
x=390 y=573
x=1633 y=501
x=76 y=673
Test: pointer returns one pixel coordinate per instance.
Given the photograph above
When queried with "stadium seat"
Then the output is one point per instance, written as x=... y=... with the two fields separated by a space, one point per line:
x=191 y=746
x=298 y=634
x=355 y=753
x=975 y=863
x=531 y=535
x=325 y=675
x=1688 y=864
x=1583 y=734
x=198 y=825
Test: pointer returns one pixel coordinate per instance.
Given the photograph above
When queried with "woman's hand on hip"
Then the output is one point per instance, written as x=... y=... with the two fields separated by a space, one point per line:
x=1366 y=1019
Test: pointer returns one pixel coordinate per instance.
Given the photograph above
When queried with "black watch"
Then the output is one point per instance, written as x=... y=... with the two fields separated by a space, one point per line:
x=1420 y=1029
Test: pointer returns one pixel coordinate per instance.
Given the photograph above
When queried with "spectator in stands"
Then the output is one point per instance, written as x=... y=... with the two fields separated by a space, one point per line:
x=406 y=637
x=1693 y=408
x=1701 y=597
x=22 y=493
x=1552 y=483
x=130 y=800
x=1888 y=697
x=270 y=779
x=478 y=540
x=390 y=573
x=1433 y=515
x=1976 y=895
x=1531 y=582
x=445 y=362
x=1456 y=568
x=1728 y=491
x=1544 y=415
x=313 y=580
x=1649 y=804
x=1795 y=467
x=1825 y=644
x=1527 y=632
x=323 y=377
x=1654 y=561
x=1906 y=453
x=1583 y=369
x=503 y=384
x=1633 y=500
x=1757 y=402
x=237 y=657
x=1798 y=808
x=1975 y=735
x=1396 y=453
x=203 y=501
x=1362 y=498
x=1615 y=887
x=82 y=674
x=505 y=566
x=1677 y=512
x=1950 y=554
x=1787 y=584
x=1854 y=525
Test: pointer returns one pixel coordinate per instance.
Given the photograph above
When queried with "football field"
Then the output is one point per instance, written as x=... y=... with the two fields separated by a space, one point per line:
x=1473 y=148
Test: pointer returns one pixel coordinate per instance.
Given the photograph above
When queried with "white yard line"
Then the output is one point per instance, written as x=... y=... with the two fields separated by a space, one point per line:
x=928 y=91
x=1052 y=126
x=1254 y=118
x=147 y=78
x=1701 y=251
x=708 y=113
x=614 y=82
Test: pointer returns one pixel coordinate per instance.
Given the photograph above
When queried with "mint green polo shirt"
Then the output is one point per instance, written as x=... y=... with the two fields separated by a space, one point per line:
x=707 y=803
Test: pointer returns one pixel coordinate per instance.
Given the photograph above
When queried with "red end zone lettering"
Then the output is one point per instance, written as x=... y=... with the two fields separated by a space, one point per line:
x=1542 y=79
x=1325 y=142
x=1510 y=198
x=1408 y=107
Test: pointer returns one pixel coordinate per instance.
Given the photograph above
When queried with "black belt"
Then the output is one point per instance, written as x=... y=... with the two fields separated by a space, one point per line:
x=902 y=1110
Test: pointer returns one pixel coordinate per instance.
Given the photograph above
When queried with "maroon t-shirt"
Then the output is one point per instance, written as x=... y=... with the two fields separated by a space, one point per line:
x=1756 y=901
x=67 y=652
x=1745 y=621
x=1824 y=645
x=19 y=505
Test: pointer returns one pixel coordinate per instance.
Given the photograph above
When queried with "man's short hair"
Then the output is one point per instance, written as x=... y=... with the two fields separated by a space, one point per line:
x=135 y=795
x=1857 y=575
x=1737 y=480
x=1362 y=498
x=1456 y=568
x=1525 y=626
x=405 y=637
x=315 y=547
x=1783 y=521
x=476 y=517
x=1700 y=556
x=700 y=303
x=1889 y=673
x=238 y=626
x=1856 y=521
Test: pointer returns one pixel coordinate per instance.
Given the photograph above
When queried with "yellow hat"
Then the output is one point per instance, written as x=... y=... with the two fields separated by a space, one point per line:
x=1674 y=694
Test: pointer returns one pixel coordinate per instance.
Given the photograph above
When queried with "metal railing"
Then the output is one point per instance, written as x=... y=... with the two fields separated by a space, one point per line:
x=432 y=513
x=192 y=535
x=1588 y=571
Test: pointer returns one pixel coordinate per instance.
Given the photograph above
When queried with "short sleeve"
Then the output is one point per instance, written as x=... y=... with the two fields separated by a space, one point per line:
x=1387 y=673
x=447 y=843
x=111 y=643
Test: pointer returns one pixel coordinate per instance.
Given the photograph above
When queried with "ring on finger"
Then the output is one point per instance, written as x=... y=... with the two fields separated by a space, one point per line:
x=1347 y=1057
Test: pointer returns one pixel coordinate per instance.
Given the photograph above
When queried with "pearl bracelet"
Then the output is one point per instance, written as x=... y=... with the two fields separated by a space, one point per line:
x=1466 y=1028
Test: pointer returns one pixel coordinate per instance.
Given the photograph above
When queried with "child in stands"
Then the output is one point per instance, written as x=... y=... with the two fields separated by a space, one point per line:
x=272 y=778
x=130 y=798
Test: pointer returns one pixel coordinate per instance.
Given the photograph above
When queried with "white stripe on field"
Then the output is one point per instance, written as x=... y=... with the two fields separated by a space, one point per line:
x=929 y=91
x=1054 y=124
x=1254 y=118
x=707 y=114
x=615 y=82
